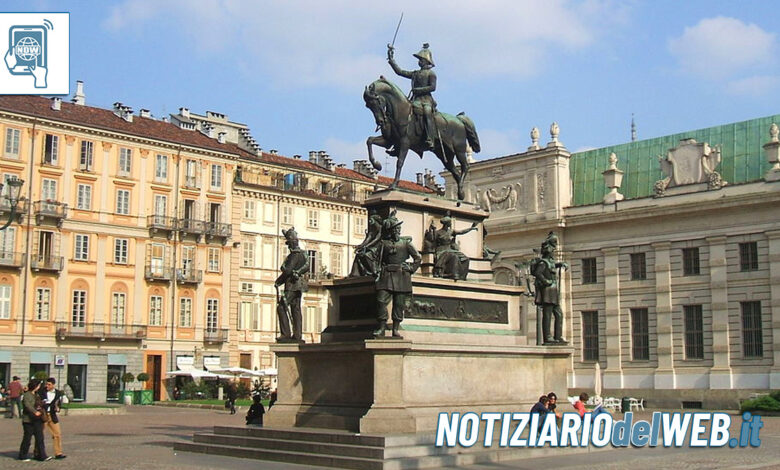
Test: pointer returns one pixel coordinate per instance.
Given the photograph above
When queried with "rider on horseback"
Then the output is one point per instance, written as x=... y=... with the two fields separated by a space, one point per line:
x=423 y=84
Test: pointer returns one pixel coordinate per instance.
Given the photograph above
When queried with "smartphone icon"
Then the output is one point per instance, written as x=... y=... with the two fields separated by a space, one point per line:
x=28 y=44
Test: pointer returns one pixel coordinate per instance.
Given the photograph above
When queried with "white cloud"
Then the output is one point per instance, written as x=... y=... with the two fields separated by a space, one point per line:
x=758 y=85
x=721 y=47
x=341 y=43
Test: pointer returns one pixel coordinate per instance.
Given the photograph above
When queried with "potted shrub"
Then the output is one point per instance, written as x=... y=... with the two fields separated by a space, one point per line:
x=144 y=397
x=127 y=395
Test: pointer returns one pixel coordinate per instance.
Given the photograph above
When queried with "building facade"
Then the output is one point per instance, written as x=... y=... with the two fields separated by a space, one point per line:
x=673 y=247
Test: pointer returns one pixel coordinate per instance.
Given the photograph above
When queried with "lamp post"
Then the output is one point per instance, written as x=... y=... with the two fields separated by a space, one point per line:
x=14 y=189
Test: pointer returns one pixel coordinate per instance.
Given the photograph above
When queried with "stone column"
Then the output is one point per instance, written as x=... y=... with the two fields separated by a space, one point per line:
x=664 y=374
x=774 y=305
x=720 y=373
x=613 y=374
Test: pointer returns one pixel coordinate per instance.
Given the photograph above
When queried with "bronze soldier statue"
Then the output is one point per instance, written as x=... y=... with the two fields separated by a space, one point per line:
x=547 y=293
x=366 y=254
x=295 y=266
x=423 y=84
x=395 y=275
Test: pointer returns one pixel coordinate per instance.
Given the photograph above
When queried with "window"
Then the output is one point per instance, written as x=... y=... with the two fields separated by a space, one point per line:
x=313 y=217
x=157 y=259
x=748 y=256
x=185 y=312
x=86 y=159
x=12 y=142
x=49 y=190
x=314 y=262
x=752 y=334
x=216 y=177
x=155 y=310
x=249 y=319
x=123 y=201
x=335 y=261
x=160 y=205
x=336 y=224
x=638 y=266
x=268 y=213
x=51 y=149
x=187 y=259
x=161 y=168
x=120 y=250
x=125 y=161
x=360 y=225
x=214 y=259
x=590 y=336
x=118 y=300
x=5 y=301
x=191 y=175
x=312 y=320
x=84 y=197
x=212 y=314
x=215 y=211
x=694 y=332
x=250 y=210
x=42 y=303
x=589 y=271
x=287 y=215
x=247 y=288
x=690 y=261
x=248 y=260
x=81 y=248
x=640 y=335
x=78 y=311
x=7 y=244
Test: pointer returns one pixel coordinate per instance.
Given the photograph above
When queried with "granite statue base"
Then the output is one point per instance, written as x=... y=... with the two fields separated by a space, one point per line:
x=399 y=386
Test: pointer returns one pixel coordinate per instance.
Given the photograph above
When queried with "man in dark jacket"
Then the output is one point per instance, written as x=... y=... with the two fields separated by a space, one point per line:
x=31 y=422
x=541 y=408
x=15 y=391
x=232 y=394
x=53 y=400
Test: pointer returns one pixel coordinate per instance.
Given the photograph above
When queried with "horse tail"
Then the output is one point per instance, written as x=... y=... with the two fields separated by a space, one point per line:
x=471 y=132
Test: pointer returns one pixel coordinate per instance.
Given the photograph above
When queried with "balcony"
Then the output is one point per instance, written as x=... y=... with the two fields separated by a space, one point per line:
x=50 y=211
x=46 y=262
x=191 y=227
x=189 y=276
x=158 y=273
x=11 y=259
x=161 y=224
x=21 y=207
x=218 y=230
x=190 y=182
x=215 y=335
x=99 y=331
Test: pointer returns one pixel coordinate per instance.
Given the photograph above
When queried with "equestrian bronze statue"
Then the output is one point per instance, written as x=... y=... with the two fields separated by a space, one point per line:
x=415 y=124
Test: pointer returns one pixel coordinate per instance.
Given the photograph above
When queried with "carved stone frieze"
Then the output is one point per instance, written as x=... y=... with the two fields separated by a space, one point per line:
x=690 y=163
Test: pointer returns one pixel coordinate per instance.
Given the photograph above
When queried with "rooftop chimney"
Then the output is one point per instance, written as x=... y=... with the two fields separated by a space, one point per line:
x=274 y=152
x=297 y=157
x=207 y=129
x=185 y=112
x=313 y=157
x=145 y=113
x=125 y=112
x=420 y=179
x=221 y=137
x=79 y=98
x=56 y=103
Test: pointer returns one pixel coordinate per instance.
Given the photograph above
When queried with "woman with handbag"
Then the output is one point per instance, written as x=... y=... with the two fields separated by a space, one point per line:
x=33 y=414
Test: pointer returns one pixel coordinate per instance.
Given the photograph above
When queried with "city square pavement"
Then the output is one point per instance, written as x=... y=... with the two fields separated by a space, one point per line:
x=144 y=437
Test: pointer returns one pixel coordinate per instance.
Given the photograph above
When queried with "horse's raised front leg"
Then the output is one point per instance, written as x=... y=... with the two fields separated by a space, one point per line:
x=370 y=142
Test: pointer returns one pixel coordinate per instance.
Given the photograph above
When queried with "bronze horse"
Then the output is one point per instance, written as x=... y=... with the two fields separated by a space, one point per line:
x=394 y=117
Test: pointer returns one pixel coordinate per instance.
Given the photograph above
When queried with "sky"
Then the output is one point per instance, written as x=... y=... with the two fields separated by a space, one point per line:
x=294 y=70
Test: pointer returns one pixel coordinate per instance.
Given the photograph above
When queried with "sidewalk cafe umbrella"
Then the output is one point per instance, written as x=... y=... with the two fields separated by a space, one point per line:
x=197 y=374
x=268 y=371
x=236 y=372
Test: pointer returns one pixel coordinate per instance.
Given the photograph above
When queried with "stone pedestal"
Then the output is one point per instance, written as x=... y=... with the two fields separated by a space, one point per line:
x=399 y=386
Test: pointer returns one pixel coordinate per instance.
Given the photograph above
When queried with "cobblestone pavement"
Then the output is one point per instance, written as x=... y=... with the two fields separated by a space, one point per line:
x=144 y=438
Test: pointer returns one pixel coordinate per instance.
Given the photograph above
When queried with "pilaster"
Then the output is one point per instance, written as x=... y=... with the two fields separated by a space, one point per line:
x=613 y=375
x=664 y=374
x=720 y=373
x=774 y=303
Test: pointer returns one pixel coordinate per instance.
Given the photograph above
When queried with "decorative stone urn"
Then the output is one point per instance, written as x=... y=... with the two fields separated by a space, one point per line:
x=613 y=178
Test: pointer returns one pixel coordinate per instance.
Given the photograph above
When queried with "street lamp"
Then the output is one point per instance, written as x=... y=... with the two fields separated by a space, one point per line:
x=14 y=189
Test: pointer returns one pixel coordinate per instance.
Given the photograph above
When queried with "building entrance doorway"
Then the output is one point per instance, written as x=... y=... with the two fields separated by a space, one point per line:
x=154 y=369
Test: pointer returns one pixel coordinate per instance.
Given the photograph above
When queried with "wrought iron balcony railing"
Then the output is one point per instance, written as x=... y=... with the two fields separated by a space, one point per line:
x=99 y=331
x=46 y=262
x=54 y=210
x=189 y=276
x=218 y=229
x=215 y=335
x=11 y=259
x=158 y=273
x=191 y=226
x=161 y=222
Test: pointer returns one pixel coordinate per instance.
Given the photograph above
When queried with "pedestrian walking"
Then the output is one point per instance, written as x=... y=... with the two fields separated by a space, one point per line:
x=53 y=400
x=32 y=423
x=232 y=394
x=15 y=390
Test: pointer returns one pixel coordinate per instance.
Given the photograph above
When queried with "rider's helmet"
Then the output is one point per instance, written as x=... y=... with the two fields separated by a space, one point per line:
x=425 y=54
